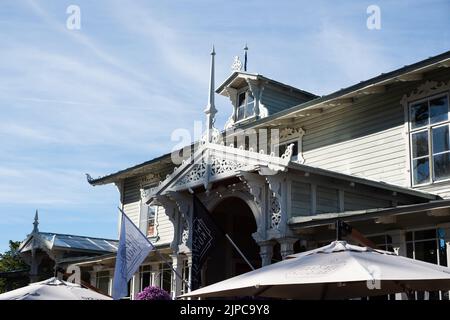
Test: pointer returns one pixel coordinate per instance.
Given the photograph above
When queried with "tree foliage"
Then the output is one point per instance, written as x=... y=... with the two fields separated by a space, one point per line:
x=10 y=266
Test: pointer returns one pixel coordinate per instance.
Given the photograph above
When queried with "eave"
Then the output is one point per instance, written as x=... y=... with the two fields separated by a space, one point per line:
x=367 y=214
x=254 y=76
x=347 y=95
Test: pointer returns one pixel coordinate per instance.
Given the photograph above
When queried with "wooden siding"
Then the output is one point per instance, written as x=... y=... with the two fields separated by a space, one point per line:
x=365 y=139
x=132 y=208
x=132 y=199
x=301 y=199
x=327 y=199
x=356 y=201
x=276 y=100
x=165 y=227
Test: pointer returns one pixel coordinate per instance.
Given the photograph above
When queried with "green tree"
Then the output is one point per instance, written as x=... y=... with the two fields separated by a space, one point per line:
x=13 y=270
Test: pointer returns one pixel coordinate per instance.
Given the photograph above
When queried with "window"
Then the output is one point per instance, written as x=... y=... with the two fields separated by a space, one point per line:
x=245 y=106
x=429 y=246
x=430 y=145
x=103 y=280
x=145 y=276
x=164 y=277
x=185 y=274
x=282 y=149
x=151 y=216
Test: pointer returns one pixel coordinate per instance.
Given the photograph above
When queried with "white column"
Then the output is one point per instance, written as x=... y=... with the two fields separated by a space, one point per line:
x=189 y=262
x=266 y=252
x=176 y=281
x=286 y=246
x=135 y=285
x=154 y=274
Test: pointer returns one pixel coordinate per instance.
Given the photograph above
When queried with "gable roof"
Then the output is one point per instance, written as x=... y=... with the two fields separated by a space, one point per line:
x=256 y=76
x=434 y=62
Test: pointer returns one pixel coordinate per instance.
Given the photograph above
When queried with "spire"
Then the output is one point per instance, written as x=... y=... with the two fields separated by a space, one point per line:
x=210 y=110
x=245 y=57
x=36 y=222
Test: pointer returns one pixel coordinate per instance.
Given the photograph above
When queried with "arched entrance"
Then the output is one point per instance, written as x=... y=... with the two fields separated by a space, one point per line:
x=235 y=217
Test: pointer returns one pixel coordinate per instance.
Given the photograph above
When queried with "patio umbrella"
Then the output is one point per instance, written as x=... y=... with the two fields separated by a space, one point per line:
x=336 y=271
x=53 y=289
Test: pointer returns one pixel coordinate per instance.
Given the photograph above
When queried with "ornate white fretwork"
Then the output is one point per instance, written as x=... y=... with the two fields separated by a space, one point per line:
x=426 y=89
x=275 y=211
x=185 y=233
x=287 y=134
x=254 y=184
x=237 y=64
x=218 y=166
x=288 y=153
x=147 y=192
x=216 y=137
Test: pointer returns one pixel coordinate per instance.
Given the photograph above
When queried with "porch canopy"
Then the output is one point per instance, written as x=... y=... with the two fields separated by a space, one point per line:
x=336 y=271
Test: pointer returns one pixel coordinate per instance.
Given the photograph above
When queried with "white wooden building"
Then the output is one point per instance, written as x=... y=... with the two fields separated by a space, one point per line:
x=375 y=155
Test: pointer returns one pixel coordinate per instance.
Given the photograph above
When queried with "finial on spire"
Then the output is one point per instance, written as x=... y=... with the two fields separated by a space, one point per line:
x=36 y=222
x=210 y=110
x=237 y=64
x=245 y=57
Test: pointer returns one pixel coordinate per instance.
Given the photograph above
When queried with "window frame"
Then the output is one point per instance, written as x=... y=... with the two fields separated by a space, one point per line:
x=247 y=92
x=413 y=241
x=429 y=129
x=156 y=208
x=295 y=135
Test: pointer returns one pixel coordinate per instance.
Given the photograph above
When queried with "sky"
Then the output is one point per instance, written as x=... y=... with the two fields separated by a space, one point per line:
x=108 y=95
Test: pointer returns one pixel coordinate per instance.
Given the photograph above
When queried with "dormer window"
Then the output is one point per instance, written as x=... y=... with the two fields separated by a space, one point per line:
x=245 y=106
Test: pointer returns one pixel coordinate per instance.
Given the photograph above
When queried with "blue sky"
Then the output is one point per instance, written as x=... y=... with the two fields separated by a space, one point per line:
x=108 y=96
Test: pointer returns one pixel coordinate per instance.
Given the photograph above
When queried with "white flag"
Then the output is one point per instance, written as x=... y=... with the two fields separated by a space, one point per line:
x=134 y=247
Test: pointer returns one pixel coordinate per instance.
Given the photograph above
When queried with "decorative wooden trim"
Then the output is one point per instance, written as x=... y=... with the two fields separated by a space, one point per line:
x=426 y=89
x=290 y=134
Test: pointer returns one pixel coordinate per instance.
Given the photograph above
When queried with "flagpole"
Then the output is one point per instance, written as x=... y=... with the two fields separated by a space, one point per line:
x=157 y=251
x=239 y=251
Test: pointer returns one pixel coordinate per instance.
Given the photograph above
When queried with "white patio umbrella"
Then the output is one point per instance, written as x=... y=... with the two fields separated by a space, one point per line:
x=336 y=271
x=53 y=289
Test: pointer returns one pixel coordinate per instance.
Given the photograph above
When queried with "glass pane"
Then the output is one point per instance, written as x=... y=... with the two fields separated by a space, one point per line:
x=146 y=276
x=439 y=109
x=408 y=236
x=151 y=212
x=167 y=280
x=250 y=110
x=419 y=115
x=240 y=113
x=241 y=99
x=425 y=234
x=426 y=251
x=421 y=170
x=250 y=98
x=441 y=166
x=440 y=139
x=410 y=250
x=420 y=144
